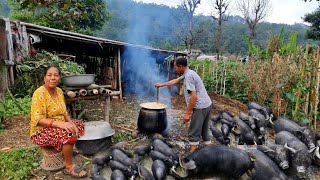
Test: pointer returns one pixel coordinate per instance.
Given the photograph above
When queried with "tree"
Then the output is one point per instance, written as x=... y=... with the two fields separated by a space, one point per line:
x=82 y=16
x=189 y=7
x=221 y=7
x=314 y=19
x=253 y=13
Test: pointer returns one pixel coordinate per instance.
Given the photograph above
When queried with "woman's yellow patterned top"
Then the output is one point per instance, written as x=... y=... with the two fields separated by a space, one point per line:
x=43 y=106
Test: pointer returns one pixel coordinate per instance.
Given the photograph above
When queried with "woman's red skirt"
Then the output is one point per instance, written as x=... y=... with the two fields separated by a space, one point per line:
x=56 y=137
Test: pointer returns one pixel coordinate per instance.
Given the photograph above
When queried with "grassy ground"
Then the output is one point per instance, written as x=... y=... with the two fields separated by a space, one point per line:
x=18 y=163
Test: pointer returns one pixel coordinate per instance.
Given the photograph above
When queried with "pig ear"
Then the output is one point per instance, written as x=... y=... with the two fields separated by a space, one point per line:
x=189 y=165
x=270 y=120
x=314 y=150
x=290 y=149
x=270 y=152
x=298 y=131
x=317 y=153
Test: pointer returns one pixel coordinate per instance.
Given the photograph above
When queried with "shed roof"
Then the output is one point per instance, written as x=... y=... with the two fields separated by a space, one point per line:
x=90 y=39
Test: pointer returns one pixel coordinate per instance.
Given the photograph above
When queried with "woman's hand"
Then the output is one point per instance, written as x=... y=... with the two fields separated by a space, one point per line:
x=69 y=127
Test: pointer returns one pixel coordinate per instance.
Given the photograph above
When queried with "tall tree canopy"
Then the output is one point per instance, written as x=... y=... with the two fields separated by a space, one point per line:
x=314 y=19
x=82 y=16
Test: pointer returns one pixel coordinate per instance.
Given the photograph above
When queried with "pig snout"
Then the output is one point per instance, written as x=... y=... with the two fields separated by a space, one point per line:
x=284 y=165
x=301 y=169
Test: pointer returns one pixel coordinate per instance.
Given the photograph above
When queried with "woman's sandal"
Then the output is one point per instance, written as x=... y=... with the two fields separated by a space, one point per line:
x=75 y=172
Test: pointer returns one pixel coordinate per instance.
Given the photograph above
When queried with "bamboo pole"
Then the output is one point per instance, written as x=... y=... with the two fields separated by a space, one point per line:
x=308 y=95
x=312 y=89
x=311 y=98
x=196 y=68
x=222 y=77
x=203 y=71
x=303 y=69
x=224 y=81
x=317 y=81
x=216 y=76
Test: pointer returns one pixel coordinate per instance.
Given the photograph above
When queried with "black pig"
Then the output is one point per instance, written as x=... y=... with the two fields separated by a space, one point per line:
x=265 y=168
x=277 y=153
x=159 y=170
x=303 y=133
x=300 y=157
x=217 y=160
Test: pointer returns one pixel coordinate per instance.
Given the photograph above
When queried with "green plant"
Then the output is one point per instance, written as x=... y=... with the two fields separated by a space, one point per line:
x=11 y=106
x=31 y=71
x=38 y=62
x=3 y=109
x=122 y=136
x=18 y=163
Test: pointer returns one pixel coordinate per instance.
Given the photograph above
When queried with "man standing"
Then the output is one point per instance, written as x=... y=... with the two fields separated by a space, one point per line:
x=198 y=102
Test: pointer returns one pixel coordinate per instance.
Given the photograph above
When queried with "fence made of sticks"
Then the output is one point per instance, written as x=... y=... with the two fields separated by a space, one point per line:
x=288 y=85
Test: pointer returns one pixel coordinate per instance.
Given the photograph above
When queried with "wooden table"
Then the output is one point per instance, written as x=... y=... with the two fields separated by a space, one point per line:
x=93 y=97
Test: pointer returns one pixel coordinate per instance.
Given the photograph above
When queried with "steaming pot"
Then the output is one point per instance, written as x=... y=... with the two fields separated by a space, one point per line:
x=152 y=118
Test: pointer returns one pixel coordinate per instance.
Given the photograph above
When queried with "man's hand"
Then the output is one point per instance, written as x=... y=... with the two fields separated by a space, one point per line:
x=187 y=117
x=158 y=85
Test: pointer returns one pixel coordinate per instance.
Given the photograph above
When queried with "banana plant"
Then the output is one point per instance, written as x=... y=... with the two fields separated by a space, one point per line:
x=256 y=51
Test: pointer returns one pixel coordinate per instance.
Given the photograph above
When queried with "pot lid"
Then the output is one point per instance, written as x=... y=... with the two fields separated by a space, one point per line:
x=153 y=105
x=96 y=130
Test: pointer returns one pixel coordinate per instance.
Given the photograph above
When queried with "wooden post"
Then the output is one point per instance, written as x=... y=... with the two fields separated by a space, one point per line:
x=216 y=76
x=10 y=48
x=3 y=56
x=107 y=108
x=203 y=71
x=317 y=88
x=224 y=80
x=25 y=41
x=119 y=72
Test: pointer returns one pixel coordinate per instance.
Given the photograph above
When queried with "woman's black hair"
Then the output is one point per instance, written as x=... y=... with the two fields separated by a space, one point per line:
x=181 y=61
x=52 y=66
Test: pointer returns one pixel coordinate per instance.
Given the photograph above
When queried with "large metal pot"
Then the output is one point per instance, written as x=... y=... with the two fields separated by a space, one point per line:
x=81 y=80
x=152 y=118
x=97 y=137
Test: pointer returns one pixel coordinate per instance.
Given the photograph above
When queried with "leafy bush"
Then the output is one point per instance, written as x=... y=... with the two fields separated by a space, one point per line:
x=19 y=106
x=11 y=106
x=18 y=163
x=31 y=71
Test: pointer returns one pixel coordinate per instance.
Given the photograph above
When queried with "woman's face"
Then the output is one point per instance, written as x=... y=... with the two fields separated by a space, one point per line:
x=52 y=78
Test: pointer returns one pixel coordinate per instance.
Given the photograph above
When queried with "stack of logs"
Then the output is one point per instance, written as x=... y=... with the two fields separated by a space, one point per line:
x=91 y=90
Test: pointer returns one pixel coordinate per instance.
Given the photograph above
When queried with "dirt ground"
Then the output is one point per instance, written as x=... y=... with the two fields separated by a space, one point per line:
x=123 y=119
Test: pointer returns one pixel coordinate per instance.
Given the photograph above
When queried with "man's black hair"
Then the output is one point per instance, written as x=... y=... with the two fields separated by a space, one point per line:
x=181 y=61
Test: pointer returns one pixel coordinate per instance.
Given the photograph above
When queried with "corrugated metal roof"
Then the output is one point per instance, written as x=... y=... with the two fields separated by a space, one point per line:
x=86 y=38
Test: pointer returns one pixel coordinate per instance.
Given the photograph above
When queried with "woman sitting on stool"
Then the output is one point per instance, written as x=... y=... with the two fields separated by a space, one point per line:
x=51 y=125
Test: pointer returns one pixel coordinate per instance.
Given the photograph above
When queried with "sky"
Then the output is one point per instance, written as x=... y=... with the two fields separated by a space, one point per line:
x=283 y=11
